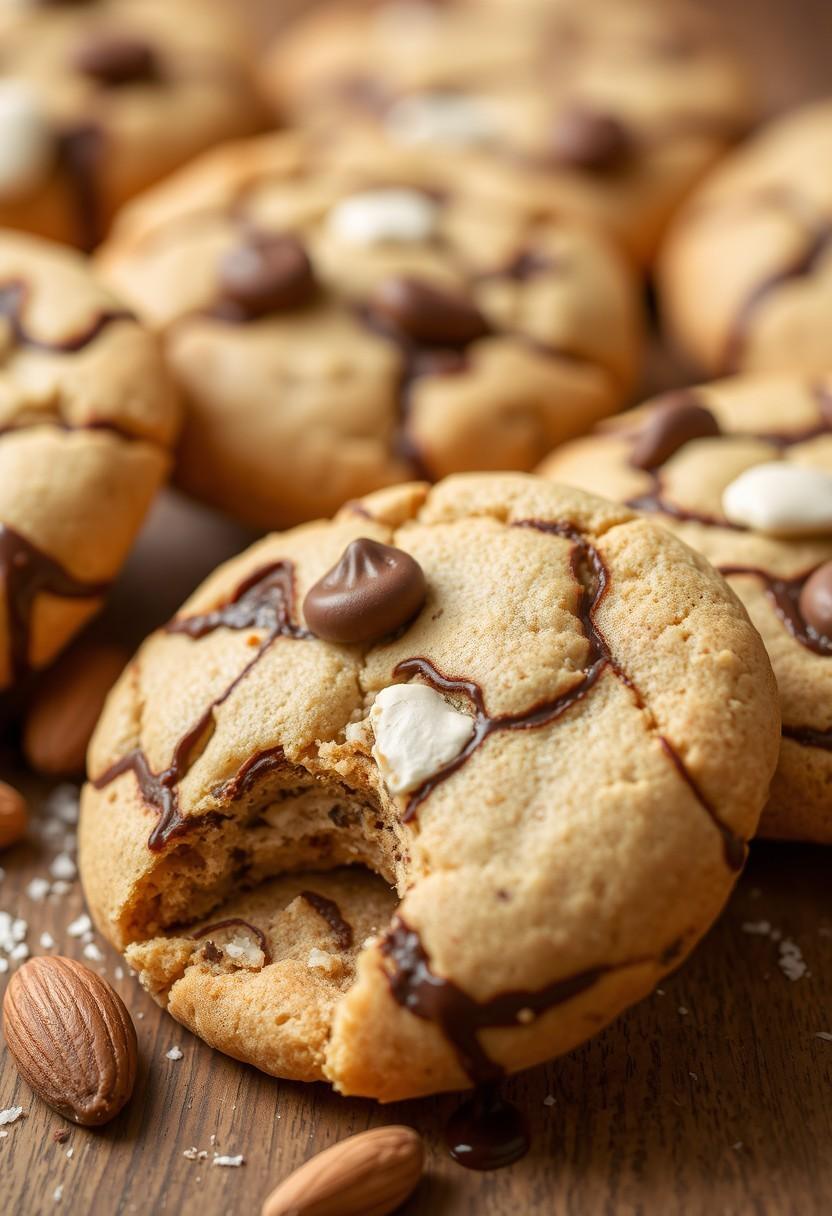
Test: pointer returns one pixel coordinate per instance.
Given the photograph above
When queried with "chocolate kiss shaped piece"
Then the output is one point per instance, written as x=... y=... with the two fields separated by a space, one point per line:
x=115 y=59
x=371 y=591
x=426 y=314
x=816 y=600
x=584 y=138
x=674 y=421
x=267 y=274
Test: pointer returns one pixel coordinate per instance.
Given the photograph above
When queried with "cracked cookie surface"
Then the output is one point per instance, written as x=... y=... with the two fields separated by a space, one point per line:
x=757 y=422
x=99 y=100
x=607 y=111
x=611 y=680
x=755 y=242
x=88 y=416
x=338 y=324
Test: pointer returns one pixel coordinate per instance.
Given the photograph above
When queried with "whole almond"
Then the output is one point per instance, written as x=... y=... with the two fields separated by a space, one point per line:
x=367 y=1175
x=66 y=706
x=72 y=1039
x=13 y=815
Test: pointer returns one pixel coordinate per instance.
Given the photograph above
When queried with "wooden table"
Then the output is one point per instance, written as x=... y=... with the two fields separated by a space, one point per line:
x=711 y=1098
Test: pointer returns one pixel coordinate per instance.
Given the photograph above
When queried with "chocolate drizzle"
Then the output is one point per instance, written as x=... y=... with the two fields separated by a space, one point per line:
x=592 y=580
x=329 y=911
x=800 y=266
x=809 y=736
x=486 y=1132
x=28 y=572
x=263 y=601
x=80 y=153
x=784 y=594
x=12 y=302
x=234 y=922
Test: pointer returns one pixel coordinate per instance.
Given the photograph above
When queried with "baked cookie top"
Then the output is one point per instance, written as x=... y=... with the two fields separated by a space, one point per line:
x=87 y=418
x=742 y=471
x=609 y=110
x=340 y=323
x=754 y=242
x=526 y=721
x=100 y=99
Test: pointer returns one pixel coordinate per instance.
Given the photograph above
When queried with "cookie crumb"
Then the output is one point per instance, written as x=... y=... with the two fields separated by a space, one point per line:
x=549 y=1100
x=94 y=953
x=63 y=867
x=174 y=1054
x=683 y=1011
x=61 y=1135
x=80 y=926
x=38 y=889
x=47 y=941
x=10 y=1115
x=229 y=1161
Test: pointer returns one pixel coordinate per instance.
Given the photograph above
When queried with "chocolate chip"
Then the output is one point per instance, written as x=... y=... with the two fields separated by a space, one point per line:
x=423 y=313
x=267 y=274
x=816 y=601
x=672 y=422
x=371 y=592
x=584 y=138
x=115 y=59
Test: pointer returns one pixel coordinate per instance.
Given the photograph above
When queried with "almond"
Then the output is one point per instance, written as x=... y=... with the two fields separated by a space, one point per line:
x=13 y=815
x=66 y=706
x=72 y=1039
x=367 y=1175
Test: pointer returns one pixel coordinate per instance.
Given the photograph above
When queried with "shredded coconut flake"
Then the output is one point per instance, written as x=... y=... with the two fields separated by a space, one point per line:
x=94 y=953
x=230 y=1161
x=47 y=941
x=549 y=1100
x=79 y=927
x=63 y=867
x=38 y=889
x=760 y=928
x=10 y=1115
x=824 y=1034
x=174 y=1054
x=791 y=960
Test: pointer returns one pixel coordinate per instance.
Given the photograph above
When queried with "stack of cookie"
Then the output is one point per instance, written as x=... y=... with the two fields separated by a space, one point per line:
x=381 y=804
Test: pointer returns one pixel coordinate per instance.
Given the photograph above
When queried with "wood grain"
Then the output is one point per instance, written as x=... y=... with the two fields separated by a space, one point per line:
x=721 y=1110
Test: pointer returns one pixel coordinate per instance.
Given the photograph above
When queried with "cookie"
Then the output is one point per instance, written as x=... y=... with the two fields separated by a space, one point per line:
x=337 y=326
x=87 y=419
x=607 y=111
x=755 y=244
x=742 y=471
x=101 y=99
x=548 y=749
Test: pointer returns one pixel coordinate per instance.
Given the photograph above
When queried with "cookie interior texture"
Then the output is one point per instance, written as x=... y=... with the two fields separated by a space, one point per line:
x=760 y=418
x=238 y=843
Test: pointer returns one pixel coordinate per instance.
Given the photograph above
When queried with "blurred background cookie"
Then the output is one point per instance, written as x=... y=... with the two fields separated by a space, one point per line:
x=746 y=274
x=742 y=470
x=339 y=324
x=100 y=99
x=87 y=419
x=609 y=110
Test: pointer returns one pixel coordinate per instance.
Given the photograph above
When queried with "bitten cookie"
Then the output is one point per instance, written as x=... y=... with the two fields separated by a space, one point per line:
x=608 y=111
x=746 y=275
x=87 y=418
x=337 y=326
x=742 y=471
x=98 y=100
x=547 y=723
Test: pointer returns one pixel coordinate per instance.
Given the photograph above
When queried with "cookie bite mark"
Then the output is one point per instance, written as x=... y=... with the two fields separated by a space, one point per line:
x=802 y=266
x=263 y=601
x=27 y=572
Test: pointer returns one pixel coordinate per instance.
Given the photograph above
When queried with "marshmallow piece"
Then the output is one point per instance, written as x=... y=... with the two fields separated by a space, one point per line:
x=384 y=215
x=27 y=145
x=417 y=734
x=780 y=498
x=439 y=118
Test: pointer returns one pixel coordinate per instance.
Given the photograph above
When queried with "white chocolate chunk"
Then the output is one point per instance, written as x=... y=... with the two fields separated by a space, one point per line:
x=781 y=499
x=417 y=734
x=27 y=145
x=376 y=216
x=440 y=118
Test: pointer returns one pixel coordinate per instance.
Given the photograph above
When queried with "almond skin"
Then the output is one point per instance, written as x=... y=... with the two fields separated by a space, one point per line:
x=13 y=815
x=371 y=1174
x=66 y=706
x=72 y=1039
